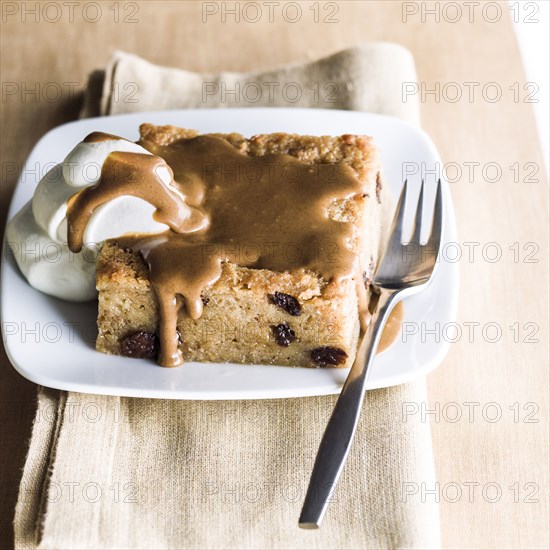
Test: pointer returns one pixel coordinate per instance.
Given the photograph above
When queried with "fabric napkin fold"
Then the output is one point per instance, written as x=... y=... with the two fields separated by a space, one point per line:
x=367 y=78
x=112 y=472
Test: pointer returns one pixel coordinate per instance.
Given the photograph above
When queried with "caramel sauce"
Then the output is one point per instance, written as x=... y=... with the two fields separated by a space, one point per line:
x=267 y=212
x=392 y=328
x=134 y=174
x=96 y=137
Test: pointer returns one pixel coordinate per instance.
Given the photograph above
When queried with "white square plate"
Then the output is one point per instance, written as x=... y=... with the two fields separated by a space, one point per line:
x=51 y=342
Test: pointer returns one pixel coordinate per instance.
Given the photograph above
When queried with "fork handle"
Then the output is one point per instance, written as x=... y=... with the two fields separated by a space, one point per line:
x=342 y=425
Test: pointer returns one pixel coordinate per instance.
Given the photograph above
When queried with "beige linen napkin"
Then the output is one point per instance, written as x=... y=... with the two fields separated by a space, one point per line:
x=366 y=78
x=108 y=472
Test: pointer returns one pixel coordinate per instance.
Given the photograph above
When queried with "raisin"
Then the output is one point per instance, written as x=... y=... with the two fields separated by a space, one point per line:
x=286 y=302
x=328 y=356
x=284 y=335
x=378 y=187
x=205 y=300
x=142 y=345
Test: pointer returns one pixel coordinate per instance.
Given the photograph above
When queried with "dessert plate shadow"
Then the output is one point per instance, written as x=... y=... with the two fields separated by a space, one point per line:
x=51 y=342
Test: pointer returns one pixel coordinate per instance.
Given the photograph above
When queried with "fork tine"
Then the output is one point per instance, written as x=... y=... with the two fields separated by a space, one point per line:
x=397 y=223
x=437 y=224
x=418 y=217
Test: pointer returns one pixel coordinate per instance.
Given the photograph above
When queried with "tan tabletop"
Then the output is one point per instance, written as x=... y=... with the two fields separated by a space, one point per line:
x=489 y=400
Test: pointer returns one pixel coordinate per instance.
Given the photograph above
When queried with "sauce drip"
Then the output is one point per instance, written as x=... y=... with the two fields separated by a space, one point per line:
x=134 y=174
x=392 y=328
x=267 y=212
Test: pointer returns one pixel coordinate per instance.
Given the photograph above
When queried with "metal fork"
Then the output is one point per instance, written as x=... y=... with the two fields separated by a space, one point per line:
x=404 y=269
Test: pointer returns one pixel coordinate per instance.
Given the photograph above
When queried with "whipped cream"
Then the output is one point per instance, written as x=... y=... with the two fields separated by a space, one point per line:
x=47 y=264
x=37 y=235
x=49 y=203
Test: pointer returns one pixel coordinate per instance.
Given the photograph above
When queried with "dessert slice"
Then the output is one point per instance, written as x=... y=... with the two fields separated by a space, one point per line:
x=278 y=270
